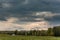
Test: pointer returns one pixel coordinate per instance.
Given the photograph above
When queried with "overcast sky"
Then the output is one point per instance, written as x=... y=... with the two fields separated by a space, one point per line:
x=29 y=14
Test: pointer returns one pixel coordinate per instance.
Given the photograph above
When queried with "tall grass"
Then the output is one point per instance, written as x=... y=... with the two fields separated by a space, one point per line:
x=17 y=37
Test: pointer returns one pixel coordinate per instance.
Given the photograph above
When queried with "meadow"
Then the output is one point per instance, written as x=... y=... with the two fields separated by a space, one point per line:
x=17 y=37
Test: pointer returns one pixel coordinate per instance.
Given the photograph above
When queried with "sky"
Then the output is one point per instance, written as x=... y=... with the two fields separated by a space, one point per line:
x=29 y=14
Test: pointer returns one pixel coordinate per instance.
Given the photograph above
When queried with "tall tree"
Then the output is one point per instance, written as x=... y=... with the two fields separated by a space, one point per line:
x=50 y=31
x=16 y=31
x=56 y=31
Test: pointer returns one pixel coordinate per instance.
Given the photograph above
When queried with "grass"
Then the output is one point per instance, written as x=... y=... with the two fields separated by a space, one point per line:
x=9 y=37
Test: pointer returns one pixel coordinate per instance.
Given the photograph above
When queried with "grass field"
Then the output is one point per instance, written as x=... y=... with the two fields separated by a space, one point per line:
x=9 y=37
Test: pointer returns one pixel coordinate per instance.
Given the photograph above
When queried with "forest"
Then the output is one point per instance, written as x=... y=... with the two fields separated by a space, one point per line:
x=55 y=31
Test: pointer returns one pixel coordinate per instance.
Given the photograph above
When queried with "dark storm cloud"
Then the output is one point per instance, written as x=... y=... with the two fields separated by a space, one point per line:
x=24 y=9
x=38 y=5
x=32 y=5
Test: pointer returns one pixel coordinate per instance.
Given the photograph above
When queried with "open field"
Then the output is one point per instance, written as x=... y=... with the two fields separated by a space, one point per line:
x=9 y=37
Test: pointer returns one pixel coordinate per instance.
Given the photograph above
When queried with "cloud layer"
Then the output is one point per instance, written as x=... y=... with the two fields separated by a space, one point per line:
x=11 y=25
x=29 y=14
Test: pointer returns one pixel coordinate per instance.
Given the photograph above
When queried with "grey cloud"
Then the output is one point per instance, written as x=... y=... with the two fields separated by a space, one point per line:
x=25 y=11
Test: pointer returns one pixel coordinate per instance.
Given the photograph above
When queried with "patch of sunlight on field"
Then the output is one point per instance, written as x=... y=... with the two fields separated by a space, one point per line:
x=10 y=37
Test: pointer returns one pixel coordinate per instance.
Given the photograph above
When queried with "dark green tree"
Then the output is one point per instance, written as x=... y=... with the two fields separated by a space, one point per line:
x=16 y=32
x=50 y=31
x=56 y=31
x=43 y=32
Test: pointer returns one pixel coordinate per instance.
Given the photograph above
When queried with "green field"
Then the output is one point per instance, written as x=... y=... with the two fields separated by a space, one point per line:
x=9 y=37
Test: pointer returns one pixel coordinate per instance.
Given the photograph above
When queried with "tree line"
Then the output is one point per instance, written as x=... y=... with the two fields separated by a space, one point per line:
x=55 y=31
